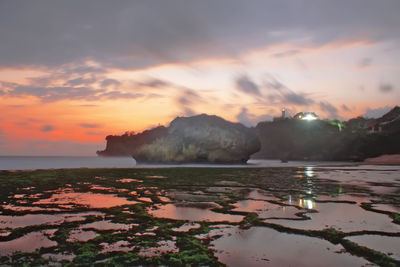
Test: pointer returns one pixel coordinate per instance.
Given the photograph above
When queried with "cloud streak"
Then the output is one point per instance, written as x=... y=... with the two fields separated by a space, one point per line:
x=386 y=88
x=247 y=86
x=47 y=128
x=329 y=108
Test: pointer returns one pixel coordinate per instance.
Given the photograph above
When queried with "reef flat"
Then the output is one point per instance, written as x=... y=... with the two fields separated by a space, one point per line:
x=201 y=216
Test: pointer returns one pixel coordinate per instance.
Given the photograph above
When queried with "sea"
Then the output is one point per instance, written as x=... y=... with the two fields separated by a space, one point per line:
x=68 y=162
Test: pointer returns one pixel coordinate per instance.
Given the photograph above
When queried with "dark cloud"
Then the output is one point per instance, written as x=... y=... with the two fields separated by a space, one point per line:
x=153 y=83
x=72 y=92
x=95 y=134
x=90 y=125
x=80 y=81
x=110 y=82
x=273 y=83
x=188 y=112
x=365 y=62
x=284 y=95
x=76 y=74
x=287 y=53
x=296 y=99
x=329 y=108
x=246 y=85
x=345 y=108
x=50 y=94
x=16 y=106
x=186 y=99
x=250 y=120
x=243 y=118
x=119 y=95
x=47 y=128
x=386 y=88
x=138 y=34
x=376 y=112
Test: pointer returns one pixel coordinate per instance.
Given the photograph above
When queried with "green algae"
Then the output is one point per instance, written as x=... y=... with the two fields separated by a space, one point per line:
x=279 y=182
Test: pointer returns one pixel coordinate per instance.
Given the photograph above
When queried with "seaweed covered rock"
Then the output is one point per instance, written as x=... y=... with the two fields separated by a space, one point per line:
x=202 y=138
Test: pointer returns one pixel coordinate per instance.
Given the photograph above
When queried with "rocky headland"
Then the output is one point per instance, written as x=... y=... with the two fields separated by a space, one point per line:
x=353 y=140
x=211 y=139
x=197 y=139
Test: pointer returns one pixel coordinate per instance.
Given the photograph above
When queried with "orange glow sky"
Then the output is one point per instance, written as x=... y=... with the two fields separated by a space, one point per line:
x=63 y=89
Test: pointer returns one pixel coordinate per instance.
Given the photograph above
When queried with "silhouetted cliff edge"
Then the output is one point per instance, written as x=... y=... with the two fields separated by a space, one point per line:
x=356 y=139
x=201 y=138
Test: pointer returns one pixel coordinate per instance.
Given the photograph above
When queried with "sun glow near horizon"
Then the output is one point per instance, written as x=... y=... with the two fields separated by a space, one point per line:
x=243 y=72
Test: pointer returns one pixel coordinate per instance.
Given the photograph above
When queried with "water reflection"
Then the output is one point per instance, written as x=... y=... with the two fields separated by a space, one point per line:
x=171 y=211
x=28 y=243
x=12 y=222
x=307 y=203
x=260 y=246
x=89 y=199
x=343 y=216
x=265 y=209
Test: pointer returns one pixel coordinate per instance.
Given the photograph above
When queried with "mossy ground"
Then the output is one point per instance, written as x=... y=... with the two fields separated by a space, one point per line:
x=153 y=183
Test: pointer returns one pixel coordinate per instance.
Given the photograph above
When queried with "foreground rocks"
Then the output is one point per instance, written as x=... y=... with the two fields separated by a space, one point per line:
x=202 y=138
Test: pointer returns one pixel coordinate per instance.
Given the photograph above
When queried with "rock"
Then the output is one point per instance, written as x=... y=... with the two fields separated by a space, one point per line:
x=360 y=138
x=126 y=144
x=197 y=139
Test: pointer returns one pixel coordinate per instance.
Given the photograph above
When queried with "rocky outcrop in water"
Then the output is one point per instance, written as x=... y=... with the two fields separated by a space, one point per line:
x=202 y=138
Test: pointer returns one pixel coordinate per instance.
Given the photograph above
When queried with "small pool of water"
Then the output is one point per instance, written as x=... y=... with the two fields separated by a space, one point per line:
x=343 y=216
x=265 y=209
x=27 y=243
x=171 y=211
x=259 y=246
x=91 y=200
x=13 y=222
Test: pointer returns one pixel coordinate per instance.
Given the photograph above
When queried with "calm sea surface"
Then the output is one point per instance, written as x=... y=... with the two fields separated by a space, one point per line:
x=57 y=162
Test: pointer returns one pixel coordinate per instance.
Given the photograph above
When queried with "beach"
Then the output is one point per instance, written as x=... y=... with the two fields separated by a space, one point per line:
x=308 y=215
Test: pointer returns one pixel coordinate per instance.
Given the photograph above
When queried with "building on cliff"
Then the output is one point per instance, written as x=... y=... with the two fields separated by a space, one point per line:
x=309 y=116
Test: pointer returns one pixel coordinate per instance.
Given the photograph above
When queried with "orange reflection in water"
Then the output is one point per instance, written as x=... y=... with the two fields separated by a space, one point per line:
x=86 y=199
x=171 y=211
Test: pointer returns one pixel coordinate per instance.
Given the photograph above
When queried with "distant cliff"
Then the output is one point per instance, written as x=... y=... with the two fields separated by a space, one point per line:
x=211 y=139
x=201 y=138
x=356 y=139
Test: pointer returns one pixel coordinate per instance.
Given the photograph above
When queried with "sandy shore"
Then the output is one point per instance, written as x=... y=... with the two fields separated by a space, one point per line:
x=384 y=160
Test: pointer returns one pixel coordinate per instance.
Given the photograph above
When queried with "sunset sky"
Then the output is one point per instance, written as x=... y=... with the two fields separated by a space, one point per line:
x=72 y=72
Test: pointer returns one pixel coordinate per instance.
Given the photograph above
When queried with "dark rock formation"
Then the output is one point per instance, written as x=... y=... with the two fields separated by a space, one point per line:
x=201 y=138
x=126 y=144
x=361 y=138
x=292 y=139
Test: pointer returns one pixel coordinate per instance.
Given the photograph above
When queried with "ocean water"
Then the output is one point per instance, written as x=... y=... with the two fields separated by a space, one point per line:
x=57 y=162
x=67 y=162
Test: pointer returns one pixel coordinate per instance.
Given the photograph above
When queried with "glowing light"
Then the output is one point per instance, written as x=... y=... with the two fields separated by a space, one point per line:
x=309 y=204
x=309 y=117
x=309 y=172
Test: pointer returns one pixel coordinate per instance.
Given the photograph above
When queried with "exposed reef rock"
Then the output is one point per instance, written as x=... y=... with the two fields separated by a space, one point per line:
x=201 y=138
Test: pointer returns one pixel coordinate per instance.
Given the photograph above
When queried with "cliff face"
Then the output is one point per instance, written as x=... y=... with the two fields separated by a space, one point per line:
x=211 y=139
x=126 y=144
x=201 y=138
x=295 y=139
x=361 y=138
